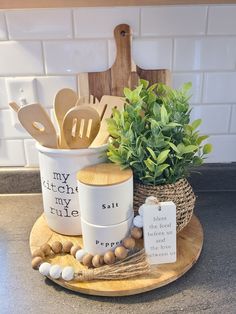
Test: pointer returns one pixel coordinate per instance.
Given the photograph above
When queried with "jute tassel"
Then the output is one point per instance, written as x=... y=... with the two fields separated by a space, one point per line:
x=134 y=265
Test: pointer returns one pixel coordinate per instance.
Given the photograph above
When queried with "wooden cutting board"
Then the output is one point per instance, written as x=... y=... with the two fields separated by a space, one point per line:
x=123 y=73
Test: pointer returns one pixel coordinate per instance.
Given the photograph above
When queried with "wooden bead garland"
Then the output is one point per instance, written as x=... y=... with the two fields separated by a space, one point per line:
x=67 y=273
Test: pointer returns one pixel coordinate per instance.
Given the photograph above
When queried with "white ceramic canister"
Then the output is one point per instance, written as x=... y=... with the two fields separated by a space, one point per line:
x=100 y=239
x=58 y=168
x=106 y=194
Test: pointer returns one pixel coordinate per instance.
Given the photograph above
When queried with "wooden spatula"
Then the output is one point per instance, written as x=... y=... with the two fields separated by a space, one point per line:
x=80 y=126
x=37 y=123
x=107 y=104
x=64 y=100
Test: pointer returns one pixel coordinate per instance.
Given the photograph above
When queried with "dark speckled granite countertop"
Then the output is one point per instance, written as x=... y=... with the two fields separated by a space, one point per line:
x=209 y=287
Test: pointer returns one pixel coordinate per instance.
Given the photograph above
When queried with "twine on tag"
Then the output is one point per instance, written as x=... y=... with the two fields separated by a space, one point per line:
x=134 y=265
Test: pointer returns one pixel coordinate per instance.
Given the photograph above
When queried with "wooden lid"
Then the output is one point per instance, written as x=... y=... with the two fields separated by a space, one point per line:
x=103 y=174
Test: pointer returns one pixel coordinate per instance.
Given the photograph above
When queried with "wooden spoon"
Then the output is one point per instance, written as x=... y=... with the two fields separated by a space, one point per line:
x=37 y=123
x=80 y=126
x=64 y=100
x=107 y=103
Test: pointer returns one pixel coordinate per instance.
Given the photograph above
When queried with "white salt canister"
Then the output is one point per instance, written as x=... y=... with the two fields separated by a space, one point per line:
x=105 y=194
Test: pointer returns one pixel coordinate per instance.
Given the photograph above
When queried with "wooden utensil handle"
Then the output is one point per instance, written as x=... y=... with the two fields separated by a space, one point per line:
x=121 y=69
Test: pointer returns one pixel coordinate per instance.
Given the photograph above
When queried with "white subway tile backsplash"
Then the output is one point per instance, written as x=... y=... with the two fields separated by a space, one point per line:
x=222 y=20
x=219 y=87
x=100 y=22
x=178 y=79
x=173 y=20
x=20 y=58
x=196 y=42
x=39 y=24
x=215 y=118
x=147 y=53
x=224 y=148
x=48 y=86
x=233 y=120
x=31 y=153
x=152 y=53
x=3 y=30
x=71 y=57
x=7 y=128
x=205 y=54
x=12 y=153
x=3 y=94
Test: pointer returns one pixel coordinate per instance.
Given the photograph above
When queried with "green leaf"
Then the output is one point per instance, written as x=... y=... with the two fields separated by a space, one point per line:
x=190 y=149
x=144 y=83
x=173 y=124
x=186 y=87
x=201 y=139
x=197 y=161
x=162 y=156
x=160 y=169
x=127 y=92
x=195 y=124
x=137 y=90
x=164 y=115
x=172 y=145
x=151 y=153
x=150 y=164
x=207 y=149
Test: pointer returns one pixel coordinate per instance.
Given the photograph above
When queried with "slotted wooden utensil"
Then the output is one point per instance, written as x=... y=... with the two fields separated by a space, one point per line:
x=107 y=104
x=65 y=99
x=123 y=73
x=37 y=123
x=80 y=126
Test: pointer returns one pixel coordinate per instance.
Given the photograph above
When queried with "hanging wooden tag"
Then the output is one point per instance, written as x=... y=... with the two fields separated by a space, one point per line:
x=159 y=227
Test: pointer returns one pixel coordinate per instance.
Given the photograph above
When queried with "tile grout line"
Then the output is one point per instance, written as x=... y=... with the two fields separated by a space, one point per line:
x=6 y=25
x=230 y=119
x=207 y=21
x=172 y=56
x=73 y=23
x=43 y=58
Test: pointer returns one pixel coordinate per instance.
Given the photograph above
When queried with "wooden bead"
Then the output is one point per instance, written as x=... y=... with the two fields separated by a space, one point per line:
x=136 y=233
x=56 y=247
x=36 y=262
x=80 y=255
x=138 y=221
x=109 y=258
x=46 y=248
x=74 y=249
x=66 y=246
x=67 y=273
x=129 y=243
x=97 y=261
x=38 y=252
x=87 y=260
x=55 y=271
x=121 y=252
x=44 y=269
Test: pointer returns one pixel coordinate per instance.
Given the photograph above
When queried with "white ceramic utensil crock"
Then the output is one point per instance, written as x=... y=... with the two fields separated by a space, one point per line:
x=58 y=168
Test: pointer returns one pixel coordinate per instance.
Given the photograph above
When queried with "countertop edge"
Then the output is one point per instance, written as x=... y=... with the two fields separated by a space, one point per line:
x=208 y=177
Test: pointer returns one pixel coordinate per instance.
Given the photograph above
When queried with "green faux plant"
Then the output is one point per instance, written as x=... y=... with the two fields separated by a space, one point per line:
x=154 y=136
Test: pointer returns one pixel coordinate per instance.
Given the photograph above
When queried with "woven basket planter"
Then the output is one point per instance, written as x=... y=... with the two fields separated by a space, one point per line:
x=180 y=193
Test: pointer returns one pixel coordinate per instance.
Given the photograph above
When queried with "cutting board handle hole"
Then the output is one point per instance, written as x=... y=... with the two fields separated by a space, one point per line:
x=123 y=33
x=38 y=126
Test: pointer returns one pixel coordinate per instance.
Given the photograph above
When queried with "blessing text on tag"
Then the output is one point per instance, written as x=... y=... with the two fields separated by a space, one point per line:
x=159 y=227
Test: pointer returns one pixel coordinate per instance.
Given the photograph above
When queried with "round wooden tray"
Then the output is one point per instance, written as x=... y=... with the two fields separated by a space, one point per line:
x=189 y=245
